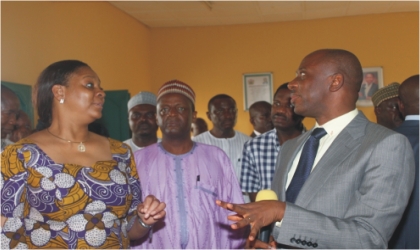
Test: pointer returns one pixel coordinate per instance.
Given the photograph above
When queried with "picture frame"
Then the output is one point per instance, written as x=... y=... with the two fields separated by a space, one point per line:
x=257 y=87
x=372 y=81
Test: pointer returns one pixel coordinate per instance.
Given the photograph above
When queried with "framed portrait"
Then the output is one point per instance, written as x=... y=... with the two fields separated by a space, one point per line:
x=372 y=81
x=257 y=87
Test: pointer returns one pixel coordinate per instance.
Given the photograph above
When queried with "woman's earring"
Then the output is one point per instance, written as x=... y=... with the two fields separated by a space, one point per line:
x=62 y=100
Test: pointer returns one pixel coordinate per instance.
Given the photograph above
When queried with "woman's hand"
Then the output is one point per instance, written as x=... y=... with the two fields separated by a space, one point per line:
x=151 y=210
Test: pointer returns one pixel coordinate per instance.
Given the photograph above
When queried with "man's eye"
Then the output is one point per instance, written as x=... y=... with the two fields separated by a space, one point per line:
x=180 y=109
x=90 y=85
x=150 y=115
x=164 y=111
x=302 y=74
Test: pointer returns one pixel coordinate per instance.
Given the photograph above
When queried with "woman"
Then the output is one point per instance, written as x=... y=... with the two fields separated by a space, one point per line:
x=66 y=187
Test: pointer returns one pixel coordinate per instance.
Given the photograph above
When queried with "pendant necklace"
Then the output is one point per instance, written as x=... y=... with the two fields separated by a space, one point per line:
x=81 y=147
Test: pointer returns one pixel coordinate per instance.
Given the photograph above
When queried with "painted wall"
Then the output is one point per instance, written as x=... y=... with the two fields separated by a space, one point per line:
x=36 y=34
x=213 y=59
x=128 y=55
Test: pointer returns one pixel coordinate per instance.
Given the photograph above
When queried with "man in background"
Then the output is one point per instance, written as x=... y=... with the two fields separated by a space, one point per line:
x=407 y=233
x=23 y=127
x=189 y=177
x=10 y=107
x=142 y=120
x=222 y=112
x=198 y=127
x=260 y=117
x=385 y=101
x=260 y=153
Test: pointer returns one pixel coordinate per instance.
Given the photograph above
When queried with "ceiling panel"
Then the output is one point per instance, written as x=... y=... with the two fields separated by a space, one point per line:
x=209 y=13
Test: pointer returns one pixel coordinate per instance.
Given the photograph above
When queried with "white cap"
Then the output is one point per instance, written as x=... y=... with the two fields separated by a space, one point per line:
x=143 y=97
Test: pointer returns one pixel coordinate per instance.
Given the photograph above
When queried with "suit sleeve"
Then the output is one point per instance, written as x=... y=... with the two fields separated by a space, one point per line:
x=373 y=211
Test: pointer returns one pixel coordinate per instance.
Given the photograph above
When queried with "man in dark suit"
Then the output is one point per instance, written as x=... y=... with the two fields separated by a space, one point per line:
x=343 y=184
x=407 y=233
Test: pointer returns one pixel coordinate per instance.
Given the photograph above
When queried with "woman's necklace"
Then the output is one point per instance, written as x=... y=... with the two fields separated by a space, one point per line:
x=81 y=147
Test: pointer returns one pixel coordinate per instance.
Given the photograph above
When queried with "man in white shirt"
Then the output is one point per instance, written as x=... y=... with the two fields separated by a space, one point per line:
x=142 y=120
x=222 y=112
x=343 y=184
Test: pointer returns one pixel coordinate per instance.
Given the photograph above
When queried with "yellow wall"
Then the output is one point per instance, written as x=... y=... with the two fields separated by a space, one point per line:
x=213 y=59
x=36 y=34
x=128 y=55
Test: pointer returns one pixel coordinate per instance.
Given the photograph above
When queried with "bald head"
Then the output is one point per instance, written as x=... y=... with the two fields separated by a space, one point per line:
x=10 y=107
x=260 y=116
x=332 y=78
x=409 y=96
x=259 y=107
x=347 y=64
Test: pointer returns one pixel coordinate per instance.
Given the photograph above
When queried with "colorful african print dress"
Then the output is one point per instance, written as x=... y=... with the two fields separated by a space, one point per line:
x=50 y=205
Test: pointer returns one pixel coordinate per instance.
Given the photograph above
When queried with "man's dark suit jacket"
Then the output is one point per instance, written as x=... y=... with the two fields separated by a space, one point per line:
x=407 y=233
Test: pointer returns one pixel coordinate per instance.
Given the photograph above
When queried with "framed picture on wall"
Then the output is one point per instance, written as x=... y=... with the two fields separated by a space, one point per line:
x=257 y=87
x=372 y=81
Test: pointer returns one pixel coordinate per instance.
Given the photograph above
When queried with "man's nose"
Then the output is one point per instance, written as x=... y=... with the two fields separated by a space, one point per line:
x=291 y=85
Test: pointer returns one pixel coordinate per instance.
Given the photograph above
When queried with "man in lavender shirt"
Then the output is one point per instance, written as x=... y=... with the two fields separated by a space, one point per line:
x=189 y=177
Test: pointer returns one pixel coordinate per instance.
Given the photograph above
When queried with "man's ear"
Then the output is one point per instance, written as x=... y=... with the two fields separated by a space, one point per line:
x=208 y=115
x=401 y=107
x=337 y=82
x=58 y=92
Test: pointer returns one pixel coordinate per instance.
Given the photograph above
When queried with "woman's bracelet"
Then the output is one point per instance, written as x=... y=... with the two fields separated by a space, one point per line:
x=143 y=224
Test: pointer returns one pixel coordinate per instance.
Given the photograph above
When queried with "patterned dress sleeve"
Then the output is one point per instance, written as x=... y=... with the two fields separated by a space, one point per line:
x=135 y=189
x=13 y=197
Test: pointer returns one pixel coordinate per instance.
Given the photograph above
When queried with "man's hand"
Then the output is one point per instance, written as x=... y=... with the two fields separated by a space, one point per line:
x=151 y=210
x=257 y=214
x=257 y=244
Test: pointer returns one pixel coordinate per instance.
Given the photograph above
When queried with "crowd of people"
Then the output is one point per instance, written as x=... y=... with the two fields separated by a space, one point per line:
x=345 y=183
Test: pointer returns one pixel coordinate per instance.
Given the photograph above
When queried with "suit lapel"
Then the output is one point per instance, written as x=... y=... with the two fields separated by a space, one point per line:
x=343 y=146
x=289 y=153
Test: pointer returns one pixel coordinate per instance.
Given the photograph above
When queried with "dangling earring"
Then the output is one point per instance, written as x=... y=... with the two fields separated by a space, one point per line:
x=62 y=100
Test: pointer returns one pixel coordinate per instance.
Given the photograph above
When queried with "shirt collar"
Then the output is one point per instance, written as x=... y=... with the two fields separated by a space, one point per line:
x=336 y=125
x=412 y=118
x=256 y=132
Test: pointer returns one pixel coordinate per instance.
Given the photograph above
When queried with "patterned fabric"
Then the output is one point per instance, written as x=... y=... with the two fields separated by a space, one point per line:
x=385 y=93
x=189 y=184
x=259 y=162
x=51 y=205
x=176 y=86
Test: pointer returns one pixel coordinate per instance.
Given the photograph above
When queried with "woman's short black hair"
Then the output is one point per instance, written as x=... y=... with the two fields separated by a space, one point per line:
x=56 y=74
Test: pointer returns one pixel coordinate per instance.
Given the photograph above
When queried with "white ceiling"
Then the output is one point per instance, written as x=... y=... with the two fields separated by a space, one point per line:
x=210 y=13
